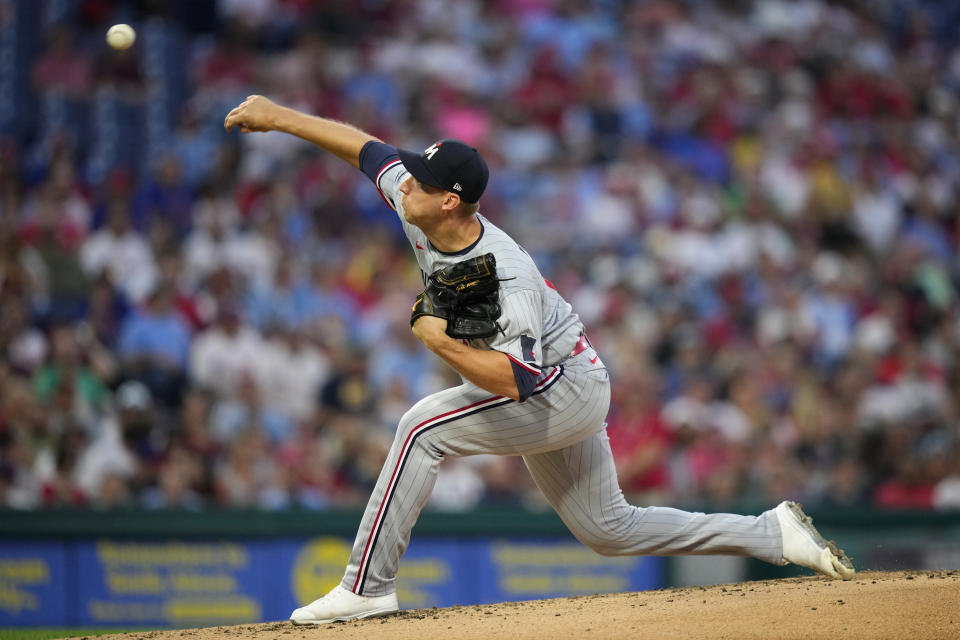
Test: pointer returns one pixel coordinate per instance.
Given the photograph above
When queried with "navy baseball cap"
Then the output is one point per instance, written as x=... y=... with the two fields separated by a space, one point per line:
x=450 y=165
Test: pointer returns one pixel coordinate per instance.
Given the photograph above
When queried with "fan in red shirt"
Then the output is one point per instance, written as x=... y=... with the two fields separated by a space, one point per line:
x=639 y=437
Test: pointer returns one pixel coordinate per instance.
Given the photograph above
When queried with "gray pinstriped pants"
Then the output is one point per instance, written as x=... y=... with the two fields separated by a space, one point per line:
x=560 y=433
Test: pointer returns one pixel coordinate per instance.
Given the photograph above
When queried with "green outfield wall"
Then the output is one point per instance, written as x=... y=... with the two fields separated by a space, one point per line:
x=67 y=523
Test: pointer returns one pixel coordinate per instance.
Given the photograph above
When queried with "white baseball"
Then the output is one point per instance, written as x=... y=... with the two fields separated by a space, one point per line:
x=121 y=36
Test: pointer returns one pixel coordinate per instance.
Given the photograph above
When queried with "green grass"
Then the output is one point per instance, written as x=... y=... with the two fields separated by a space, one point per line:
x=47 y=633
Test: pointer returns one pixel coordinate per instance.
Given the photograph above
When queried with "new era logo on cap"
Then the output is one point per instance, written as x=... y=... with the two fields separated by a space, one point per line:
x=451 y=165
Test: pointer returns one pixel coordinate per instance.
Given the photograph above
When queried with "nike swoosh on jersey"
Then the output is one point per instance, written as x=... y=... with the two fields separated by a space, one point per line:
x=594 y=359
x=417 y=244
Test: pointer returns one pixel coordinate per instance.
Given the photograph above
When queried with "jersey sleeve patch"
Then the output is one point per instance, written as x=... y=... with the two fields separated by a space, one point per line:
x=527 y=345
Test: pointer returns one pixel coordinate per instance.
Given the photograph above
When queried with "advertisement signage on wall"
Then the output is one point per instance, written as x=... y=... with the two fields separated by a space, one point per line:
x=170 y=583
x=33 y=581
x=195 y=583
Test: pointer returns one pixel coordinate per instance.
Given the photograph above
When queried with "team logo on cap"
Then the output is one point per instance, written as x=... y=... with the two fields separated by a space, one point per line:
x=431 y=150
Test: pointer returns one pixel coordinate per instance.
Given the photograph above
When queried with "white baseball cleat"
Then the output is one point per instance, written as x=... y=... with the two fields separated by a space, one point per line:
x=803 y=545
x=341 y=605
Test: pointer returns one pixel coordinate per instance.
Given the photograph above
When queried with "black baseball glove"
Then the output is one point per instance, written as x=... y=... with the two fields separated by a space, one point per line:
x=466 y=294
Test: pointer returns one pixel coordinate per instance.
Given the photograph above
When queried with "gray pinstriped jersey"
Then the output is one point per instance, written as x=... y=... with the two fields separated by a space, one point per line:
x=540 y=328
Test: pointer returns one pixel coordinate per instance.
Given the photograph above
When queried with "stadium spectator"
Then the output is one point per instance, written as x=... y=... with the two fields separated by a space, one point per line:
x=154 y=347
x=62 y=66
x=67 y=376
x=222 y=355
x=120 y=253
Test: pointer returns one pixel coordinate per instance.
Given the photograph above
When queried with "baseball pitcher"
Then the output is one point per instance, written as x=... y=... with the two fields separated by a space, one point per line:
x=533 y=385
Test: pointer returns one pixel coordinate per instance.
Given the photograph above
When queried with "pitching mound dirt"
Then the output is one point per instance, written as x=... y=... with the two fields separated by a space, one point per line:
x=915 y=605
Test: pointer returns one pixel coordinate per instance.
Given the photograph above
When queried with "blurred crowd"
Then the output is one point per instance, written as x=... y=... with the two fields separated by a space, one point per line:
x=752 y=205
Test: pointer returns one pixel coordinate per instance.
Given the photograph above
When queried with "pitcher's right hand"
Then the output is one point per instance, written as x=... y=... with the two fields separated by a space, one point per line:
x=256 y=113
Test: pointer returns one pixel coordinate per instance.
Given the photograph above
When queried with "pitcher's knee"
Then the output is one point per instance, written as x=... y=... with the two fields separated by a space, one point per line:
x=606 y=543
x=409 y=422
x=620 y=549
x=410 y=434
